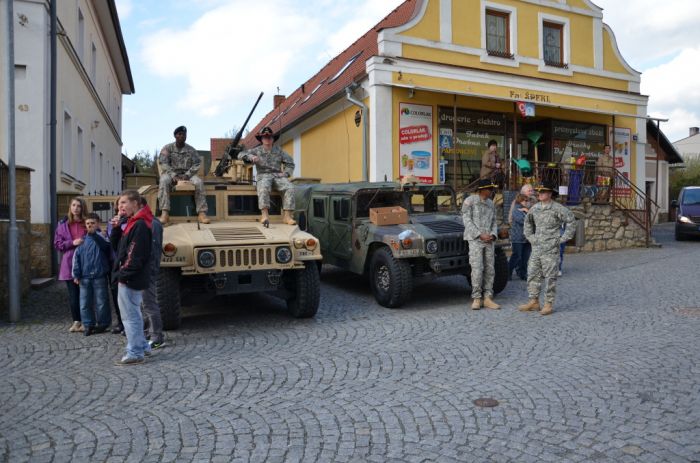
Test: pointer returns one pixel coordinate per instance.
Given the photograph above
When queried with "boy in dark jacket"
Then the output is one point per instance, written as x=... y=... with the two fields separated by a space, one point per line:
x=132 y=271
x=90 y=269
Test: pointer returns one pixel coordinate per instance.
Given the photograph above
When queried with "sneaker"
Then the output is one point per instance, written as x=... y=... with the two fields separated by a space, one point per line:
x=88 y=330
x=118 y=329
x=74 y=328
x=156 y=344
x=124 y=361
x=81 y=328
x=147 y=353
x=99 y=329
x=559 y=273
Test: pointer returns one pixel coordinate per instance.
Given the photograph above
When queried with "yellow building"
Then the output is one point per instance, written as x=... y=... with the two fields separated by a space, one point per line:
x=439 y=79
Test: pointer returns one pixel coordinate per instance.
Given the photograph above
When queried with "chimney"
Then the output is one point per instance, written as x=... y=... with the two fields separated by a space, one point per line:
x=277 y=100
x=694 y=131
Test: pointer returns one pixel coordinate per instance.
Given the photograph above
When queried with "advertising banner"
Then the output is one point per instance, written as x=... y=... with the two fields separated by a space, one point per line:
x=621 y=150
x=416 y=141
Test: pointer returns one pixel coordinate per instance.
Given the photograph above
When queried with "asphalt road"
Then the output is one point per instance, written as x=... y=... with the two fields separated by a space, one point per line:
x=613 y=375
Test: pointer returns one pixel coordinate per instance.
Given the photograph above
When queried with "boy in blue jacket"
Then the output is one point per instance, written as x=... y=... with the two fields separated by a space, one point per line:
x=90 y=270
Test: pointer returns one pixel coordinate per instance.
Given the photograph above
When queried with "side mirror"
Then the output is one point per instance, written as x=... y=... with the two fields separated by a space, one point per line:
x=674 y=204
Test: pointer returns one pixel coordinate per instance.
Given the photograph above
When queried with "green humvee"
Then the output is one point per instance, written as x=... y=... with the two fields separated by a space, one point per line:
x=431 y=244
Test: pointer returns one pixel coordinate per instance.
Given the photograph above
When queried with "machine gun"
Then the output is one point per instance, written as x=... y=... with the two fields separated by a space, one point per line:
x=232 y=149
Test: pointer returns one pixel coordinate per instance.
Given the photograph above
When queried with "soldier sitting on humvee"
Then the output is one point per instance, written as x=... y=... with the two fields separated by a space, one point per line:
x=274 y=169
x=179 y=162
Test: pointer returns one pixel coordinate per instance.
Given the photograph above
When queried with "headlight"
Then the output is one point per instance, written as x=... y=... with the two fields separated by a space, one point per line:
x=206 y=258
x=283 y=255
x=298 y=243
x=431 y=247
x=684 y=219
x=169 y=250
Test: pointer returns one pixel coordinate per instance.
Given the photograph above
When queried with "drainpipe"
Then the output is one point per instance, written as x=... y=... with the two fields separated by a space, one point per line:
x=12 y=232
x=365 y=127
x=53 y=199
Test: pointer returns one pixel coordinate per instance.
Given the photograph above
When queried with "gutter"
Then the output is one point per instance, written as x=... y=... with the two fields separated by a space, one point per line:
x=365 y=126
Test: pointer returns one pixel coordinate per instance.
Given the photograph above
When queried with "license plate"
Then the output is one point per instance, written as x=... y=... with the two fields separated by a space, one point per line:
x=410 y=253
x=305 y=253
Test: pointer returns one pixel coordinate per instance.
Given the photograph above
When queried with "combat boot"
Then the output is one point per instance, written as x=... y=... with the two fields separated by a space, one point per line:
x=533 y=305
x=489 y=304
x=288 y=219
x=164 y=217
x=265 y=219
x=476 y=305
x=203 y=218
x=547 y=309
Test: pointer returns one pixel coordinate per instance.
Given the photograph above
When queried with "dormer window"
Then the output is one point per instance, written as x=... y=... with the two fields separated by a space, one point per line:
x=553 y=44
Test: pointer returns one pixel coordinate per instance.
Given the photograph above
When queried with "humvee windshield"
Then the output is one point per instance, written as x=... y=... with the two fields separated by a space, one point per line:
x=368 y=199
x=248 y=205
x=184 y=206
x=430 y=200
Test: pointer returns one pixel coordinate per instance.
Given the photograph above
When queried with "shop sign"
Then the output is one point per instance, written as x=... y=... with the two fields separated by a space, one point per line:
x=530 y=96
x=577 y=131
x=526 y=109
x=621 y=155
x=416 y=141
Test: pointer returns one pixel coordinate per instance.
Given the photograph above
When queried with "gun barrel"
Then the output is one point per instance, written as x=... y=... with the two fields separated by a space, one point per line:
x=225 y=160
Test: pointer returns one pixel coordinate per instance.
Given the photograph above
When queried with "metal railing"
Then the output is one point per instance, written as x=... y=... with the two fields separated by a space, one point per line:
x=4 y=191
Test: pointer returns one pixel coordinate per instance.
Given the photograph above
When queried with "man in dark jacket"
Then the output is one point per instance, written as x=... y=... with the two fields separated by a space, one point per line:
x=151 y=309
x=132 y=270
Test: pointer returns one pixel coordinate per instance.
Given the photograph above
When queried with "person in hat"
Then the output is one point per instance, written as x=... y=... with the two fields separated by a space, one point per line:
x=179 y=161
x=542 y=229
x=275 y=167
x=479 y=217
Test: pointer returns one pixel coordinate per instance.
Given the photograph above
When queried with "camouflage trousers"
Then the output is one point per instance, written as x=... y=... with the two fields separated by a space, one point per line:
x=481 y=260
x=166 y=184
x=266 y=182
x=543 y=265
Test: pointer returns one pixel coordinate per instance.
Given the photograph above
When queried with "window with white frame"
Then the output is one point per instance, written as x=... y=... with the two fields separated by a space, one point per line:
x=100 y=176
x=93 y=64
x=498 y=33
x=553 y=44
x=67 y=154
x=79 y=161
x=81 y=34
x=93 y=166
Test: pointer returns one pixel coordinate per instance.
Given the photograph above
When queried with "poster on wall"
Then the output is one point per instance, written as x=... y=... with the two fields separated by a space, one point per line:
x=416 y=141
x=621 y=145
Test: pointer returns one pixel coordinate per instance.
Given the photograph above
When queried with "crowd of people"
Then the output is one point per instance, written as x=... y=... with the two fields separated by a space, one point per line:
x=121 y=259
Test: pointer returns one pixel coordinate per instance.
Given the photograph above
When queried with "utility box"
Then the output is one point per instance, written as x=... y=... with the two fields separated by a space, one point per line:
x=393 y=215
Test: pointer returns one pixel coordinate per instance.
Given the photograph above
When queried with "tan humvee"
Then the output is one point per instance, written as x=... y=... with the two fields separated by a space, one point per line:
x=234 y=254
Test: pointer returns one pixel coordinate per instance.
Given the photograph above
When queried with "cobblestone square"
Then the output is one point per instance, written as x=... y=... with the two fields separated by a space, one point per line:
x=613 y=375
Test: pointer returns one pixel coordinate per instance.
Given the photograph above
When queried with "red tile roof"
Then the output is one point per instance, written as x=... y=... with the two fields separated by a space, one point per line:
x=320 y=88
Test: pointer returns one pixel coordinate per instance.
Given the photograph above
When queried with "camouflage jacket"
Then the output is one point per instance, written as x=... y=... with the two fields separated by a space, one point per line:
x=543 y=224
x=275 y=161
x=179 y=161
x=479 y=217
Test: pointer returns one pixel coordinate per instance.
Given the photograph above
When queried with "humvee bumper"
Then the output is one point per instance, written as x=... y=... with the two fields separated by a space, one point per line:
x=245 y=282
x=446 y=264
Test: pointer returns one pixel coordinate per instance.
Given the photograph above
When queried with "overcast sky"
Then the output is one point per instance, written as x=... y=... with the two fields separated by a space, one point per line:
x=202 y=63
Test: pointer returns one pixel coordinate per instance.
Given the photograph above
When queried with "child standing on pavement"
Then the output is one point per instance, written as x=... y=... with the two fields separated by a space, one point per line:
x=90 y=269
x=520 y=246
x=69 y=236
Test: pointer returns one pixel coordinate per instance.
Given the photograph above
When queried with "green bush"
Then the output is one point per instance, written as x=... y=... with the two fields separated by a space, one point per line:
x=684 y=176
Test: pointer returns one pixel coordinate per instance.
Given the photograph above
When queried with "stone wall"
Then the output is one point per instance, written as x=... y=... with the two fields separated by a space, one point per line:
x=608 y=229
x=24 y=237
x=42 y=250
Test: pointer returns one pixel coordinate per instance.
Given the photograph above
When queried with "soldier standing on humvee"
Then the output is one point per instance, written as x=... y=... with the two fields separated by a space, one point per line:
x=275 y=167
x=479 y=216
x=179 y=161
x=542 y=229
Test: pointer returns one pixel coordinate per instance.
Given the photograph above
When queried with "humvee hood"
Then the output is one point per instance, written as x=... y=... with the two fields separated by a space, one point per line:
x=227 y=233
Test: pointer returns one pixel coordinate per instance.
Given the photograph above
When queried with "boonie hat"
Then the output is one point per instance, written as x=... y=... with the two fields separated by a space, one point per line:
x=266 y=131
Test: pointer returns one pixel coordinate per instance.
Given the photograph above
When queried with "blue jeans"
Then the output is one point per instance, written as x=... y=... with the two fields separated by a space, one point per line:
x=519 y=258
x=562 y=248
x=93 y=293
x=130 y=308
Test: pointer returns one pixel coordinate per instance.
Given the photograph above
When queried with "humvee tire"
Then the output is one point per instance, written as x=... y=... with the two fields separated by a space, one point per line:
x=168 y=296
x=502 y=272
x=391 y=279
x=305 y=284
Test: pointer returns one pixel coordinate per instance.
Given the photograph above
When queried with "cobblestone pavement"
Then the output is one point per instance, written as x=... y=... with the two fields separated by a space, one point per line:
x=613 y=375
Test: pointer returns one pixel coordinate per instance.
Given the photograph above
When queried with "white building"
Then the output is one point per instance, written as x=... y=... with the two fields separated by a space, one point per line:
x=689 y=147
x=93 y=74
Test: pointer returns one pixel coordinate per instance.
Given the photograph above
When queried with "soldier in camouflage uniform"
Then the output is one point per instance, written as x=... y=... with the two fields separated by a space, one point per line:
x=180 y=162
x=479 y=216
x=274 y=168
x=542 y=229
